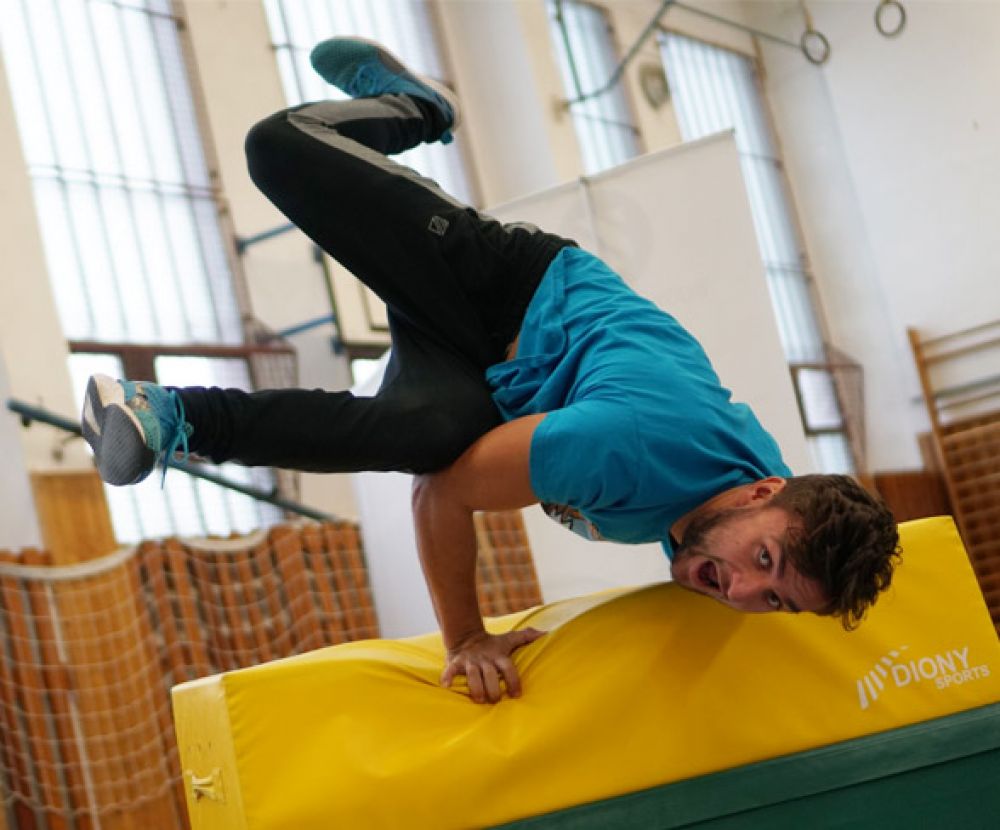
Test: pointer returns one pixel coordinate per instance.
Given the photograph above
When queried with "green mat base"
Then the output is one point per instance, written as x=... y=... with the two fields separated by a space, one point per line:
x=943 y=773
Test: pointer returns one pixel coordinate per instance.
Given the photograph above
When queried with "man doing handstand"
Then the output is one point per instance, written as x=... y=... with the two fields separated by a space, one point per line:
x=523 y=371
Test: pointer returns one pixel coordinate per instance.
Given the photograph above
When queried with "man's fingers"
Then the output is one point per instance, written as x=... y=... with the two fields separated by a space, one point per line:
x=475 y=678
x=486 y=664
x=491 y=682
x=523 y=636
x=510 y=676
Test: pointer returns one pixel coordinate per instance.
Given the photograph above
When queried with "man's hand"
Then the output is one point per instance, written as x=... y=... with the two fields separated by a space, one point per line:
x=484 y=659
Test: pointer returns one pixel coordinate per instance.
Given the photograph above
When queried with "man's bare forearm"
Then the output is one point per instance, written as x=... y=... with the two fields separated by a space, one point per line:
x=446 y=540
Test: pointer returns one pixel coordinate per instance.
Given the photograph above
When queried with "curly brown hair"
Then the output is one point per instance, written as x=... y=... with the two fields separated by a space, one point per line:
x=844 y=538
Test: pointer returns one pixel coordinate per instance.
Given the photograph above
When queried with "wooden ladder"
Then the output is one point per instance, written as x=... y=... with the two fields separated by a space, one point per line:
x=960 y=378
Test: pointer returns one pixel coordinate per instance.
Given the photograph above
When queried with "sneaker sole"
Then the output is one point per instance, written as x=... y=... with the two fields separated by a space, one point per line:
x=439 y=88
x=114 y=433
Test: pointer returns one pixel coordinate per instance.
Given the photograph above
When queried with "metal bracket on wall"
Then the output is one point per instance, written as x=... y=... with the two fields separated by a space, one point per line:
x=244 y=242
x=308 y=325
x=813 y=44
x=620 y=69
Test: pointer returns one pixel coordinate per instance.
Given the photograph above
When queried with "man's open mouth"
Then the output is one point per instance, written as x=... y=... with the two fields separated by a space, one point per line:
x=708 y=575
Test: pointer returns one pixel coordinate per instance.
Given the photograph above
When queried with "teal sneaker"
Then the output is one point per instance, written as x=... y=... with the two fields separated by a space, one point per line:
x=365 y=69
x=132 y=425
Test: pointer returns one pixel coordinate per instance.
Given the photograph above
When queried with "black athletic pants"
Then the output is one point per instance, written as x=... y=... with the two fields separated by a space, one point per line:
x=456 y=284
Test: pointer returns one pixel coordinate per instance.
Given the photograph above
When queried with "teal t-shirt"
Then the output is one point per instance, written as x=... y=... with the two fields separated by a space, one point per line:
x=639 y=429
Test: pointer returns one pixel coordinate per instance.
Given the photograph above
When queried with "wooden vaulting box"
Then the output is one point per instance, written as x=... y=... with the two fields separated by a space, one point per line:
x=654 y=708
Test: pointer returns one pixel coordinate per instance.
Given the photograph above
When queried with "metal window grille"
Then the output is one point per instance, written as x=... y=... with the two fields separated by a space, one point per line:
x=403 y=26
x=587 y=58
x=128 y=215
x=715 y=89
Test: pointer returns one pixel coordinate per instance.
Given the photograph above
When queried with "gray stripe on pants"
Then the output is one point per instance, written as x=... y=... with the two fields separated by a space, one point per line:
x=320 y=121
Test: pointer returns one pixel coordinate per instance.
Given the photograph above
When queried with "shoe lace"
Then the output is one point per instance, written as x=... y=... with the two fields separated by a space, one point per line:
x=178 y=439
x=367 y=81
x=169 y=411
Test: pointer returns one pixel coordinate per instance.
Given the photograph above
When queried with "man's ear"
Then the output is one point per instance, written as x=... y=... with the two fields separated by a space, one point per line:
x=761 y=492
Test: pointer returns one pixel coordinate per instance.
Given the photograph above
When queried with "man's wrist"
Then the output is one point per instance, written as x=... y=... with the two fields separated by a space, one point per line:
x=465 y=637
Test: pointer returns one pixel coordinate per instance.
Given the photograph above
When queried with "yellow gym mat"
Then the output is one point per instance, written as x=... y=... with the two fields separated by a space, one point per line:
x=629 y=690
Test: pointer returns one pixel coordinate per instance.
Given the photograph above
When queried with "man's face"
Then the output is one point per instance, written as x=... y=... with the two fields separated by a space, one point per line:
x=737 y=557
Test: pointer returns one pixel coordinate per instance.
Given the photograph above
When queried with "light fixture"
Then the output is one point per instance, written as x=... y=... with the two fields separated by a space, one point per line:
x=654 y=84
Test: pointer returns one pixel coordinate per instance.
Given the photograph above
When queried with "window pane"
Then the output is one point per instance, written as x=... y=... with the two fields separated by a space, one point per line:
x=819 y=399
x=831 y=453
x=587 y=59
x=121 y=184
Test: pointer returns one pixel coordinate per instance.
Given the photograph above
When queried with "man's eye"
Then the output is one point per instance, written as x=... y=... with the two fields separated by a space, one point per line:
x=765 y=558
x=773 y=601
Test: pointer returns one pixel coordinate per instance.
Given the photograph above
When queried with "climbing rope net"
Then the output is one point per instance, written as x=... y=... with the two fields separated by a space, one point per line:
x=89 y=652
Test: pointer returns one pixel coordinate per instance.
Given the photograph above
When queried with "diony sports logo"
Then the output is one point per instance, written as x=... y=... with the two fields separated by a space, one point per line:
x=944 y=669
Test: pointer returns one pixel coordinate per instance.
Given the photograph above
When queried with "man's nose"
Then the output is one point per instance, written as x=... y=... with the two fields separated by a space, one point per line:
x=745 y=587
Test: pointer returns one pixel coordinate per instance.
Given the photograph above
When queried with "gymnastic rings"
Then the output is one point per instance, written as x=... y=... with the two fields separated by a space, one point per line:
x=815 y=46
x=889 y=7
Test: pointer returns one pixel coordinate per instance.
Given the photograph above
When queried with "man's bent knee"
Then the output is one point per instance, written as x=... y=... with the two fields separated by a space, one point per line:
x=266 y=143
x=446 y=432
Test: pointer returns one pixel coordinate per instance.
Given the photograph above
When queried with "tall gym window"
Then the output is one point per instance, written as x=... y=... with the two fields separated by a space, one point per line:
x=714 y=89
x=587 y=56
x=129 y=218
